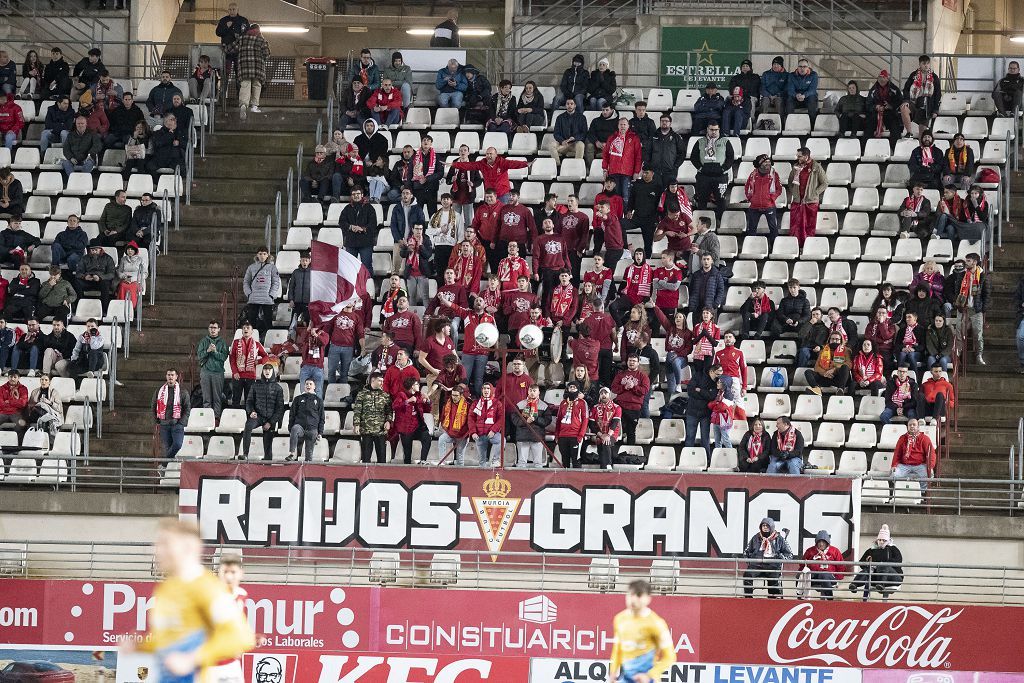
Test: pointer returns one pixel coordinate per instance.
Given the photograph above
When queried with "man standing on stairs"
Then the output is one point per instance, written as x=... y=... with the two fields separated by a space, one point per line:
x=253 y=53
x=262 y=287
x=170 y=409
x=211 y=353
x=229 y=28
x=972 y=291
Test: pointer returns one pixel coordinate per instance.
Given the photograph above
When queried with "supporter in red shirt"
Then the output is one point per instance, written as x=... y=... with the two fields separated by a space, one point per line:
x=515 y=224
x=824 y=560
x=600 y=277
x=585 y=349
x=246 y=354
x=914 y=457
x=562 y=304
x=550 y=256
x=608 y=228
x=313 y=343
x=513 y=386
x=385 y=355
x=346 y=336
x=435 y=347
x=516 y=307
x=13 y=399
x=734 y=368
x=667 y=279
x=576 y=234
x=606 y=423
x=494 y=170
x=678 y=345
x=868 y=369
x=936 y=395
x=676 y=229
x=485 y=223
x=474 y=356
x=602 y=329
x=511 y=267
x=631 y=387
x=485 y=426
x=571 y=424
x=410 y=407
x=762 y=188
x=405 y=326
x=398 y=373
x=622 y=159
x=450 y=294
x=608 y=194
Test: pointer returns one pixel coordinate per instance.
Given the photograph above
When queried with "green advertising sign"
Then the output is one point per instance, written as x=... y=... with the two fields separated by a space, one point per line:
x=693 y=55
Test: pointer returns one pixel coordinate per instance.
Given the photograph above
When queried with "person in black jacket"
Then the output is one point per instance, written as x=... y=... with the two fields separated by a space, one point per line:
x=908 y=344
x=264 y=409
x=141 y=229
x=16 y=245
x=170 y=407
x=643 y=125
x=601 y=86
x=315 y=183
x=880 y=567
x=60 y=119
x=569 y=133
x=794 y=309
x=921 y=96
x=786 y=455
x=229 y=28
x=446 y=34
x=703 y=389
x=754 y=448
x=748 y=80
x=371 y=143
x=12 y=195
x=168 y=146
x=665 y=152
x=305 y=422
x=901 y=396
x=22 y=294
x=86 y=73
x=58 y=346
x=358 y=223
x=643 y=207
x=478 y=95
x=574 y=84
x=122 y=121
x=56 y=76
x=884 y=101
x=600 y=130
x=1008 y=90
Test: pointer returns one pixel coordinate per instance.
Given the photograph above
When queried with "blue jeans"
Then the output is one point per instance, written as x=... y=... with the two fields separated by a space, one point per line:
x=676 y=364
x=59 y=257
x=488 y=448
x=911 y=358
x=623 y=185
x=692 y=423
x=787 y=466
x=1020 y=342
x=475 y=366
x=450 y=99
x=731 y=386
x=391 y=117
x=33 y=358
x=944 y=360
x=47 y=137
x=886 y=416
x=314 y=373
x=378 y=186
x=456 y=325
x=406 y=89
x=596 y=103
x=364 y=254
x=85 y=167
x=10 y=139
x=721 y=437
x=171 y=436
x=559 y=101
x=803 y=356
x=734 y=119
x=338 y=360
x=445 y=443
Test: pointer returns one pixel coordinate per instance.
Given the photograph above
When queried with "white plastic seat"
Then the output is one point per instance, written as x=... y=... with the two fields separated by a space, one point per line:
x=87 y=308
x=808 y=407
x=543 y=168
x=881 y=462
x=347 y=452
x=200 y=421
x=139 y=184
x=907 y=250
x=783 y=352
x=815 y=249
x=826 y=127
x=953 y=104
x=298 y=238
x=661 y=458
x=773 y=272
x=775 y=406
x=524 y=143
x=994 y=152
x=945 y=127
x=893 y=198
x=837 y=273
x=308 y=214
x=724 y=460
x=906 y=493
x=671 y=431
x=839 y=174
x=847 y=149
x=862 y=436
x=418 y=118
x=755 y=247
x=768 y=125
x=66 y=206
x=876 y=150
x=756 y=147
x=692 y=459
x=785 y=148
x=48 y=183
x=785 y=248
x=854 y=463
x=659 y=99
x=798 y=124
x=498 y=141
x=232 y=421
x=287 y=261
x=1001 y=127
x=877 y=249
x=896 y=176
x=830 y=435
x=822 y=463
x=753 y=351
x=835 y=199
x=734 y=298
x=572 y=170
x=532 y=192
x=864 y=199
x=470 y=139
x=834 y=297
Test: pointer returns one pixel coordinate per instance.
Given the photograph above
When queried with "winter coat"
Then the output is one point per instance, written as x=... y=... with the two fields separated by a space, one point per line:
x=115 y=217
x=709 y=106
x=81 y=146
x=794 y=307
x=212 y=362
x=749 y=82
x=253 y=53
x=73 y=241
x=828 y=561
x=135 y=268
x=571 y=126
x=266 y=399
x=776 y=452
x=11 y=404
x=52 y=399
x=574 y=80
x=887 y=554
x=186 y=405
x=601 y=128
x=939 y=341
x=602 y=84
x=262 y=283
x=56 y=294
x=397 y=76
x=9 y=75
x=122 y=119
x=631 y=159
x=18 y=293
x=495 y=176
x=802 y=85
x=701 y=391
x=712 y=284
x=299 y=285
x=666 y=151
x=400 y=228
x=370 y=411
x=926 y=309
x=101 y=264
x=952 y=290
x=14 y=239
x=441 y=81
x=369 y=75
x=762 y=189
x=778 y=545
x=57 y=120
x=774 y=83
x=744 y=452
x=534 y=431
x=374 y=146
x=362 y=215
x=161 y=98
x=909 y=402
x=817 y=183
x=426 y=258
x=479 y=90
x=228 y=34
x=86 y=72
x=307 y=411
x=851 y=105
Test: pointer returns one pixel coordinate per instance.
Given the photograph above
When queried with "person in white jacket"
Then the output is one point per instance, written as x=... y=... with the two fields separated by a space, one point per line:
x=132 y=273
x=88 y=356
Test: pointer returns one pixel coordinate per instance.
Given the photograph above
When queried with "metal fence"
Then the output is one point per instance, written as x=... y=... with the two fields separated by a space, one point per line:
x=710 y=577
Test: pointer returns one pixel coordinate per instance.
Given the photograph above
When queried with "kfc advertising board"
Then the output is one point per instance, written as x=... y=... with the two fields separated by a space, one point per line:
x=556 y=512
x=335 y=634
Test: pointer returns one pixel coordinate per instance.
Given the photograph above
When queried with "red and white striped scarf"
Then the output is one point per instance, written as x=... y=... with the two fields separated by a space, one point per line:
x=638 y=281
x=561 y=300
x=161 y=403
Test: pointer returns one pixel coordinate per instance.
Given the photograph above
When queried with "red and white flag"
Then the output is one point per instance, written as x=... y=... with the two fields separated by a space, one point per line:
x=336 y=278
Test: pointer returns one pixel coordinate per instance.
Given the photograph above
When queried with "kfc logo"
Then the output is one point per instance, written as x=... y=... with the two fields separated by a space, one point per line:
x=271 y=668
x=904 y=636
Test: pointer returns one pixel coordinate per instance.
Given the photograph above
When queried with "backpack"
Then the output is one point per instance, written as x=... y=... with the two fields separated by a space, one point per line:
x=778 y=379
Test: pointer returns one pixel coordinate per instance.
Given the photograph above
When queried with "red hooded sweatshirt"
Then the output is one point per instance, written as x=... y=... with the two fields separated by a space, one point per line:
x=572 y=419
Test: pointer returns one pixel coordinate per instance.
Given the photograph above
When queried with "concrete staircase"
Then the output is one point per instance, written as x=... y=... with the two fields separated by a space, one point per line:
x=992 y=396
x=233 y=191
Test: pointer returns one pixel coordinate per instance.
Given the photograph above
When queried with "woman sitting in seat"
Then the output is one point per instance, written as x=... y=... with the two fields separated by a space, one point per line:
x=754 y=447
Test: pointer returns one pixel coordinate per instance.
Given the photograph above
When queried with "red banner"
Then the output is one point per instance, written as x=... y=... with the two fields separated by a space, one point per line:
x=544 y=511
x=330 y=634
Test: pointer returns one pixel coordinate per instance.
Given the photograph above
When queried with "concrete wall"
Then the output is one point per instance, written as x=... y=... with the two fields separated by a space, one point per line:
x=944 y=26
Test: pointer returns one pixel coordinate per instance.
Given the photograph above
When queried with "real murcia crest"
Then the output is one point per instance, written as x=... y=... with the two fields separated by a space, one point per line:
x=495 y=512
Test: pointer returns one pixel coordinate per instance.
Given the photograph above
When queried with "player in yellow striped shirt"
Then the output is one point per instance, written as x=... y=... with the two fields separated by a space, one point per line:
x=194 y=622
x=643 y=648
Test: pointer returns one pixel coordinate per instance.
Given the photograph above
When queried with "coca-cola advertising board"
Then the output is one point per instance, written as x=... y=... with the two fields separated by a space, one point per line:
x=557 y=512
x=336 y=634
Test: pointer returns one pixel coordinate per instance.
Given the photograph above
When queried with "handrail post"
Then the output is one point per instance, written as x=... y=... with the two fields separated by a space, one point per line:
x=152 y=271
x=266 y=232
x=141 y=299
x=277 y=220
x=292 y=193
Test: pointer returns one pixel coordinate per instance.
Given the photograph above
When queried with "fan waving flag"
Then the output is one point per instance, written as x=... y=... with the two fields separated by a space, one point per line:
x=336 y=278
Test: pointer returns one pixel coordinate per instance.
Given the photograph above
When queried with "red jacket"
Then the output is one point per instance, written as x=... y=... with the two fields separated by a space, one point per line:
x=409 y=415
x=612 y=234
x=733 y=363
x=584 y=352
x=933 y=387
x=827 y=561
x=469 y=322
x=515 y=224
x=762 y=190
x=607 y=419
x=485 y=416
x=380 y=98
x=9 y=404
x=630 y=387
x=394 y=379
x=870 y=369
x=622 y=154
x=11 y=118
x=496 y=176
x=921 y=453
x=572 y=422
x=314 y=349
x=485 y=221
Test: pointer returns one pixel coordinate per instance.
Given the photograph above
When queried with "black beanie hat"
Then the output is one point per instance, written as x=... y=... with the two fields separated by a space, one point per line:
x=779 y=60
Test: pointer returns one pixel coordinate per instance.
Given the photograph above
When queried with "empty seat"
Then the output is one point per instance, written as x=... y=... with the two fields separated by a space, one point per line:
x=798 y=124
x=543 y=168
x=854 y=463
x=830 y=435
x=693 y=459
x=774 y=405
x=876 y=150
x=808 y=407
x=862 y=436
x=836 y=273
x=661 y=458
x=820 y=462
x=835 y=199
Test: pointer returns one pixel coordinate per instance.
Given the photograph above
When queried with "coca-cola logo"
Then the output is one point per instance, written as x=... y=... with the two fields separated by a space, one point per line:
x=903 y=636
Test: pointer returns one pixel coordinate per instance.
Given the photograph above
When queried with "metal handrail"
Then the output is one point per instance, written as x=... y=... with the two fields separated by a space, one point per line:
x=266 y=232
x=191 y=165
x=277 y=220
x=291 y=196
x=711 y=577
